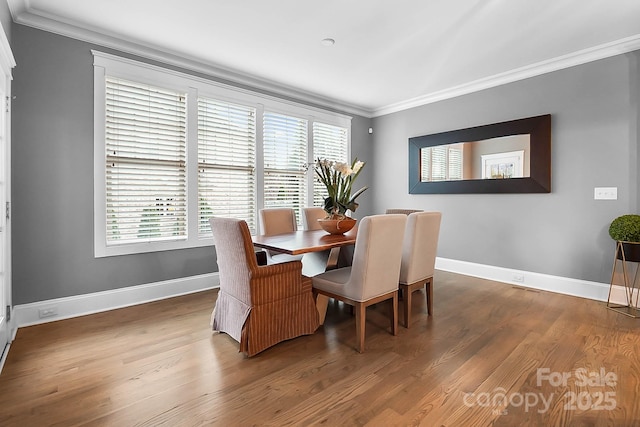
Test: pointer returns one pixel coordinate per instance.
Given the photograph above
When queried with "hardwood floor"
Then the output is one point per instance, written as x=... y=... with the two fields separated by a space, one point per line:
x=159 y=364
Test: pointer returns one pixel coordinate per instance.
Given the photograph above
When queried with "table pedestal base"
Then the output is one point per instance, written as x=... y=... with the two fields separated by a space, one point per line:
x=314 y=263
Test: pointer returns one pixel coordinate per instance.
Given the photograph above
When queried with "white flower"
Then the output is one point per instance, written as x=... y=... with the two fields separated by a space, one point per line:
x=324 y=163
x=343 y=168
x=357 y=166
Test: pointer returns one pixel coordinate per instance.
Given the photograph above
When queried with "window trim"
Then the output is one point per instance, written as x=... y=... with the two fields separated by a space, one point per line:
x=115 y=66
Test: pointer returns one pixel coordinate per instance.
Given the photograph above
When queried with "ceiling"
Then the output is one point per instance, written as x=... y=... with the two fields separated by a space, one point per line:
x=387 y=56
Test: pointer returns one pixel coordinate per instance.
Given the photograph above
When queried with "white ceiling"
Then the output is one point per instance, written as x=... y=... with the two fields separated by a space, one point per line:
x=388 y=55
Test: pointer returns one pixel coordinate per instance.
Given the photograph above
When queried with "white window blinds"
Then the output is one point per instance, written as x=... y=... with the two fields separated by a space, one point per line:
x=226 y=163
x=441 y=163
x=285 y=156
x=171 y=150
x=425 y=164
x=145 y=163
x=438 y=163
x=455 y=163
x=331 y=143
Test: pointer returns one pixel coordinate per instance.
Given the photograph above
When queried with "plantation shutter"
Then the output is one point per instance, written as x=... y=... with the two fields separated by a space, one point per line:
x=226 y=163
x=438 y=163
x=441 y=163
x=455 y=163
x=145 y=163
x=331 y=143
x=425 y=164
x=285 y=157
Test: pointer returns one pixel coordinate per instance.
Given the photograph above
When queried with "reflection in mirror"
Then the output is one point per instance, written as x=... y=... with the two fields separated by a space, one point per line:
x=505 y=157
x=493 y=158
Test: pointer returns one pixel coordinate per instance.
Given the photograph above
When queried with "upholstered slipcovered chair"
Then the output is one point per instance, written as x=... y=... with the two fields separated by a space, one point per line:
x=258 y=306
x=373 y=277
x=278 y=221
x=310 y=217
x=419 y=258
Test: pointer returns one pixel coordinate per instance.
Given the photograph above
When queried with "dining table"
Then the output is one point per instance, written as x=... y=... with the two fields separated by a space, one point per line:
x=320 y=251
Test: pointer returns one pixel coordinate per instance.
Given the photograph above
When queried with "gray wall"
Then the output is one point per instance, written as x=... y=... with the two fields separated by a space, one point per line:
x=362 y=148
x=52 y=172
x=594 y=110
x=595 y=135
x=5 y=19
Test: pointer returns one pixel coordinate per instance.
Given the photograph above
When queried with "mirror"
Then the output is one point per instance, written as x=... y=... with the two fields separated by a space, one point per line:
x=506 y=157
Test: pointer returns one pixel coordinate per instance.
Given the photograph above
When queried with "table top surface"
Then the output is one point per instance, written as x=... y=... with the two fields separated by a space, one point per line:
x=301 y=242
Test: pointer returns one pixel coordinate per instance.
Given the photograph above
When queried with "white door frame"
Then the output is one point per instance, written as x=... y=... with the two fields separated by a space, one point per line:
x=7 y=325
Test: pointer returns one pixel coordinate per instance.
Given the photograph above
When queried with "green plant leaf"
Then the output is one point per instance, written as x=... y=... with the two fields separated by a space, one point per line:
x=625 y=228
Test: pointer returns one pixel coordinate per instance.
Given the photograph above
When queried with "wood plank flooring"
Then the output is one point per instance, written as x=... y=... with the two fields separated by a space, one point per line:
x=491 y=355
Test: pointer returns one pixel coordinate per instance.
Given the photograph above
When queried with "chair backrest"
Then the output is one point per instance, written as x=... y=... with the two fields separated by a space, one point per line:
x=235 y=256
x=403 y=211
x=310 y=217
x=420 y=246
x=376 y=257
x=277 y=221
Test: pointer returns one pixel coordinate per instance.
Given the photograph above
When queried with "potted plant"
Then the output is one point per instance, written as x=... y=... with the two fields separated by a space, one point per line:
x=625 y=230
x=338 y=178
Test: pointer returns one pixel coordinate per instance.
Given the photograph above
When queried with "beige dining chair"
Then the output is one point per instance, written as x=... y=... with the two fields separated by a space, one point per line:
x=258 y=306
x=310 y=217
x=403 y=211
x=373 y=277
x=419 y=258
x=275 y=221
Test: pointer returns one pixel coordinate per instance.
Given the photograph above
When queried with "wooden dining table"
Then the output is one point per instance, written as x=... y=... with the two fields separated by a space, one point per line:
x=320 y=250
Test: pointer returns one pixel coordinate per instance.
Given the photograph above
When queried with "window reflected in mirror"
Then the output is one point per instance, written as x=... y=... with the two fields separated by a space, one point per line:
x=494 y=158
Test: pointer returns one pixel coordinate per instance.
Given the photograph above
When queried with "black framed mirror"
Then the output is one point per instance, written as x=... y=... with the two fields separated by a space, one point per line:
x=506 y=157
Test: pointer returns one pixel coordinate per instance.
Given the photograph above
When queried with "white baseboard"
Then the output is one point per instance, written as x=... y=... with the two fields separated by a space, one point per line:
x=80 y=305
x=562 y=285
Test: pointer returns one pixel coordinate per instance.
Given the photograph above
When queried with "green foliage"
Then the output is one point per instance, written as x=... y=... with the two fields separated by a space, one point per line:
x=625 y=228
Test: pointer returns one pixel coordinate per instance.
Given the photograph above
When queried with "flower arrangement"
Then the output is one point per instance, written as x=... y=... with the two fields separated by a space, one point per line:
x=338 y=178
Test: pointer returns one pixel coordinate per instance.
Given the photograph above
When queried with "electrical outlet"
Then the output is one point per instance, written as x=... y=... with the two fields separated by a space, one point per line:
x=48 y=312
x=605 y=193
x=518 y=278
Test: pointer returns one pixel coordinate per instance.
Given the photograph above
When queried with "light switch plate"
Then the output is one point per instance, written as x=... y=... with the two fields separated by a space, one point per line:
x=605 y=193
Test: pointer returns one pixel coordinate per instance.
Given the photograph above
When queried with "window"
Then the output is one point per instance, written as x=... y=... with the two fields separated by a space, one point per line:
x=226 y=162
x=454 y=163
x=171 y=150
x=285 y=157
x=146 y=187
x=331 y=143
x=441 y=163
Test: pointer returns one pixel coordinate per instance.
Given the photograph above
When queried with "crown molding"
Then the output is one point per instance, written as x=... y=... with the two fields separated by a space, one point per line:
x=17 y=7
x=23 y=15
x=584 y=56
x=7 y=61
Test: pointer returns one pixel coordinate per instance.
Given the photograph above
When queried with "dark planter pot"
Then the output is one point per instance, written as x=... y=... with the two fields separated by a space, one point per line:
x=631 y=251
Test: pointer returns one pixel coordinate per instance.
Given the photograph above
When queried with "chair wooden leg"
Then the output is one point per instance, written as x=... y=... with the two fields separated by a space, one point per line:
x=406 y=303
x=429 y=289
x=360 y=323
x=322 y=301
x=394 y=314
